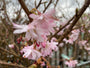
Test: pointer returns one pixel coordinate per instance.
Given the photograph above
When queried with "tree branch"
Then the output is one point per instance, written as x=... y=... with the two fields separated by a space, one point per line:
x=38 y=4
x=81 y=11
x=47 y=6
x=60 y=28
x=56 y=3
x=25 y=9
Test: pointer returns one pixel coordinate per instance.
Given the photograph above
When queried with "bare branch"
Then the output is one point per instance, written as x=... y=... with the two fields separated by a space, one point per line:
x=56 y=3
x=25 y=9
x=47 y=6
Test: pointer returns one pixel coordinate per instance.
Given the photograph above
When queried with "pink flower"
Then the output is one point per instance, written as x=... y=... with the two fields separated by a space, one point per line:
x=43 y=64
x=89 y=31
x=50 y=16
x=47 y=51
x=68 y=41
x=53 y=45
x=89 y=53
x=61 y=44
x=11 y=45
x=73 y=37
x=54 y=39
x=76 y=31
x=42 y=25
x=43 y=44
x=71 y=63
x=30 y=53
x=45 y=21
x=87 y=48
x=35 y=34
x=75 y=34
x=31 y=32
x=82 y=43
x=21 y=28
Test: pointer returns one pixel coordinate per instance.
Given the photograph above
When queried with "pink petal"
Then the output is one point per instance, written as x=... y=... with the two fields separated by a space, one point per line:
x=33 y=16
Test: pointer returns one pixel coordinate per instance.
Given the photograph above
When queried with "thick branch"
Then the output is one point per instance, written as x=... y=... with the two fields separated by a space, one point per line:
x=81 y=11
x=25 y=9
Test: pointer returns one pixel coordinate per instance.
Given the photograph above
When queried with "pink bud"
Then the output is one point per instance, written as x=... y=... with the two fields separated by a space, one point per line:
x=11 y=46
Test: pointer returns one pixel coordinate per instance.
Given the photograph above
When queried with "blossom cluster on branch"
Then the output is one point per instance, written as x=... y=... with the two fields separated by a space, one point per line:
x=37 y=31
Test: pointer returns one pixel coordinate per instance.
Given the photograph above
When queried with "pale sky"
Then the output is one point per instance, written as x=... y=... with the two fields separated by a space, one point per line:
x=67 y=7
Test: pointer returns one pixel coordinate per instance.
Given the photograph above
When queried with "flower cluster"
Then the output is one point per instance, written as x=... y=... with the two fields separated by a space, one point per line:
x=71 y=63
x=37 y=31
x=73 y=37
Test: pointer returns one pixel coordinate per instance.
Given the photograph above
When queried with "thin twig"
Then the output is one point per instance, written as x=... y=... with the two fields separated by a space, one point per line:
x=47 y=6
x=56 y=3
x=25 y=9
x=38 y=4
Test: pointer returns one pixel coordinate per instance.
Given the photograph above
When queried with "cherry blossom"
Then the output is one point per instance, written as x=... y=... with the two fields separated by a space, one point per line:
x=30 y=53
x=21 y=28
x=68 y=41
x=73 y=37
x=71 y=63
x=75 y=34
x=31 y=32
x=11 y=45
x=82 y=43
x=49 y=47
x=38 y=30
x=87 y=48
x=89 y=31
x=45 y=21
x=43 y=64
x=61 y=44
x=34 y=34
x=42 y=24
